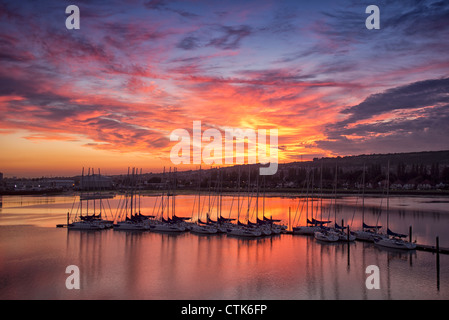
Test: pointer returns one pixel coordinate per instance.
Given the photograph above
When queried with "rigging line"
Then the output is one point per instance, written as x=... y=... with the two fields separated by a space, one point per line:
x=202 y=208
x=302 y=206
x=250 y=200
x=193 y=207
x=117 y=215
x=76 y=213
x=355 y=208
x=380 y=210
x=232 y=204
x=154 y=206
x=110 y=209
x=73 y=205
x=159 y=209
x=356 y=205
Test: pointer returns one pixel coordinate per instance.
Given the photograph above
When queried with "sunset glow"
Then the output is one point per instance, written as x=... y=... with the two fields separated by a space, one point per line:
x=109 y=94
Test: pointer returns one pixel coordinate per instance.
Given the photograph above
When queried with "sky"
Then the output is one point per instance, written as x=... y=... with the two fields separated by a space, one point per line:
x=108 y=95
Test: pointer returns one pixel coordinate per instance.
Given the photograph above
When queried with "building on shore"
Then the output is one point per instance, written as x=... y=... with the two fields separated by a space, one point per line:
x=96 y=182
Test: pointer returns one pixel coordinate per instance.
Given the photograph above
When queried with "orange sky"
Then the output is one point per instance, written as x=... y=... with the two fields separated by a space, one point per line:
x=109 y=95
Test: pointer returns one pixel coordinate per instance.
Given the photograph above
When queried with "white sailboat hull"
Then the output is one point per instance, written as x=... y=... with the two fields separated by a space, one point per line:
x=86 y=225
x=306 y=230
x=128 y=225
x=167 y=227
x=326 y=236
x=344 y=236
x=205 y=229
x=265 y=231
x=367 y=235
x=395 y=243
x=244 y=232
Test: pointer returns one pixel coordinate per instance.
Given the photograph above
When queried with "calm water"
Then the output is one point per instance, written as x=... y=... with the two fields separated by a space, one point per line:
x=132 y=265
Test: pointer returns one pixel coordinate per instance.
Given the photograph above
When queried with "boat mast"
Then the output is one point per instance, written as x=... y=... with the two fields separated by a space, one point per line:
x=162 y=196
x=321 y=190
x=307 y=197
x=87 y=200
x=132 y=193
x=168 y=193
x=217 y=186
x=220 y=191
x=311 y=198
x=238 y=199
x=257 y=198
x=81 y=193
x=175 y=182
x=264 y=194
x=335 y=195
x=100 y=202
x=199 y=193
x=139 y=187
x=388 y=193
x=93 y=193
x=210 y=191
x=249 y=182
x=363 y=196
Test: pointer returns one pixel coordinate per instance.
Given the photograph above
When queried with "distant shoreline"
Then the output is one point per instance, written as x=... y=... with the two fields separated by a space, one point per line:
x=280 y=192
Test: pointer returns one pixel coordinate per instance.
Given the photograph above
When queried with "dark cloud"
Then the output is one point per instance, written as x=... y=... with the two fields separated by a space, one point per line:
x=156 y=4
x=230 y=37
x=418 y=120
x=189 y=43
x=415 y=95
x=405 y=21
x=163 y=6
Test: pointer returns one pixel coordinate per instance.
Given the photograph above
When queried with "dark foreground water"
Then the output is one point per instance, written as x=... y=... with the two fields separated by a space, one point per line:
x=135 y=265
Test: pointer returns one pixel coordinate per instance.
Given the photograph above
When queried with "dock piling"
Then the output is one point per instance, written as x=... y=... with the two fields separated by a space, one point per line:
x=349 y=243
x=438 y=261
x=290 y=219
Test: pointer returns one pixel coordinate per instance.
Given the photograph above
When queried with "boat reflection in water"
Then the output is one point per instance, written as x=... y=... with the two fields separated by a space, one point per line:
x=183 y=265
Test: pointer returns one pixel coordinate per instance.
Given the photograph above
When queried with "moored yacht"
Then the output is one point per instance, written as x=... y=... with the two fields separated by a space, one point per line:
x=326 y=235
x=395 y=241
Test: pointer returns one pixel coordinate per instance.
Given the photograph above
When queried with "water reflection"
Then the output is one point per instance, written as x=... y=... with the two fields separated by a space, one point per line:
x=428 y=217
x=145 y=265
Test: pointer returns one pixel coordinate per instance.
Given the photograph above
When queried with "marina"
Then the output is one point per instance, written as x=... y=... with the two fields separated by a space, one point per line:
x=195 y=265
x=244 y=226
x=190 y=150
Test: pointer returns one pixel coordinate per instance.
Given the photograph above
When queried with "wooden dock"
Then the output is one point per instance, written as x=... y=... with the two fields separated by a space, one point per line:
x=424 y=247
x=419 y=247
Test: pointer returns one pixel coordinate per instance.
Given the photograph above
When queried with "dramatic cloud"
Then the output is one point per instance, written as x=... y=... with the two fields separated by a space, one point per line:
x=411 y=117
x=230 y=37
x=412 y=96
x=136 y=71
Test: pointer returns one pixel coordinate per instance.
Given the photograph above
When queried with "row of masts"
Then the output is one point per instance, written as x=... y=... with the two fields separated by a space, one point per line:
x=164 y=218
x=320 y=230
x=130 y=217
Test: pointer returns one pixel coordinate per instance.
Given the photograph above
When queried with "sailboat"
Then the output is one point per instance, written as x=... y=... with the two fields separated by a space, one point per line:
x=367 y=233
x=393 y=240
x=174 y=224
x=93 y=221
x=133 y=219
x=221 y=223
x=312 y=225
x=341 y=231
x=310 y=228
x=240 y=229
x=202 y=227
x=325 y=233
x=264 y=228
